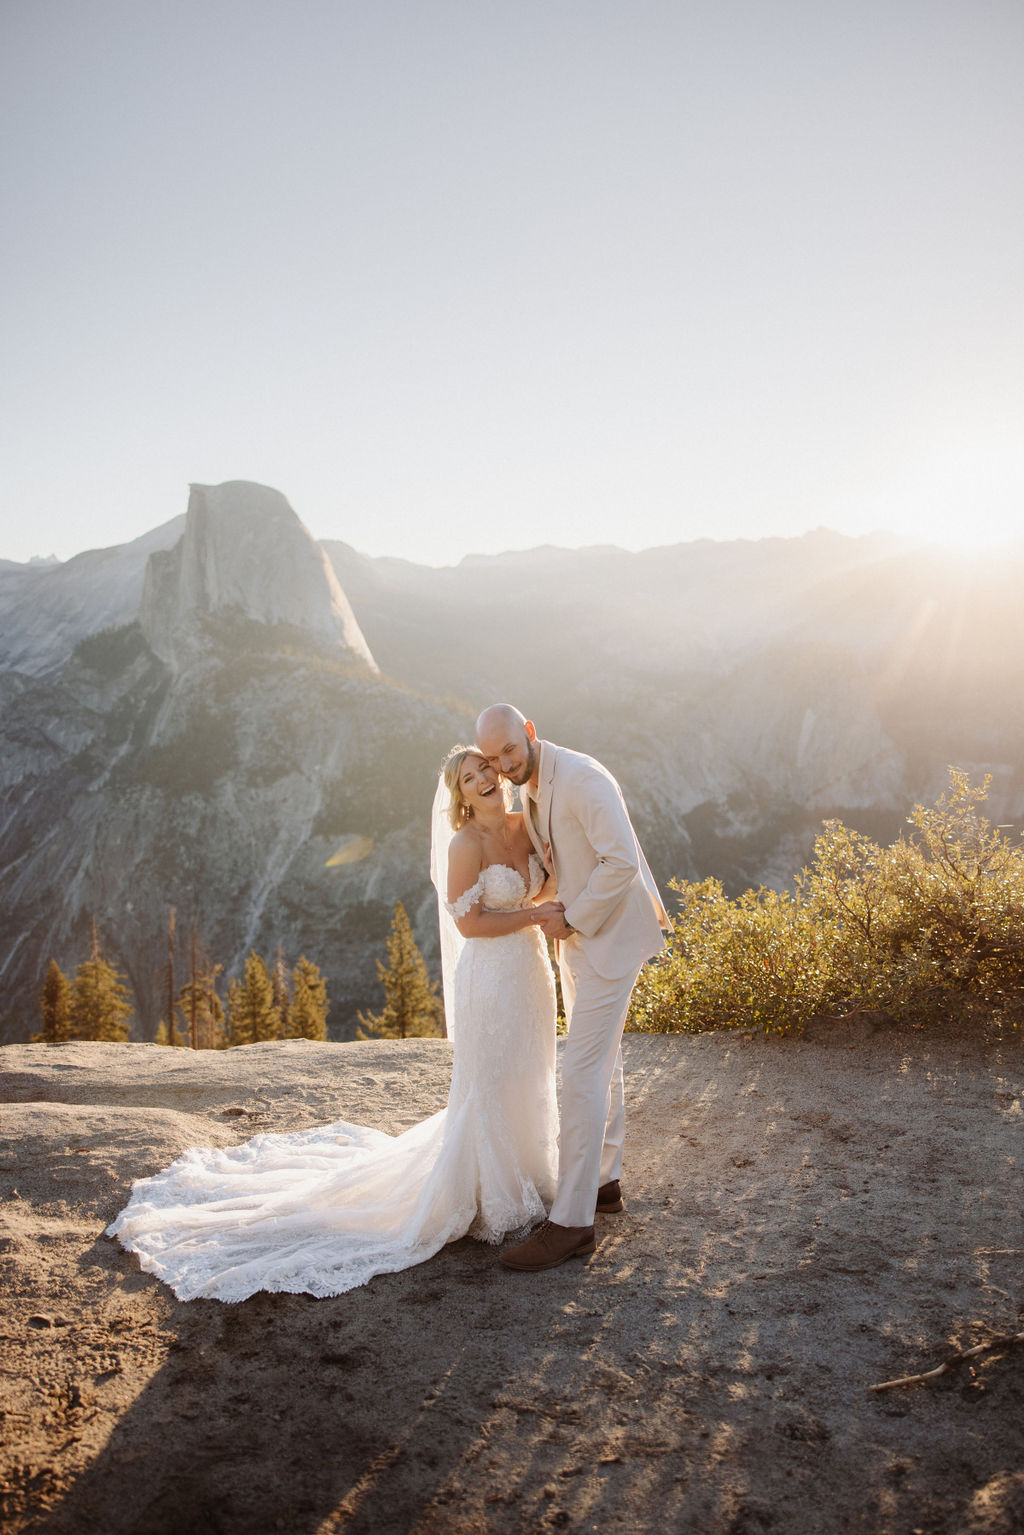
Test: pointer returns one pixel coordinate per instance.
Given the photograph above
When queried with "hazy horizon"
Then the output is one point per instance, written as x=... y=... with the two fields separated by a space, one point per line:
x=457 y=278
x=880 y=534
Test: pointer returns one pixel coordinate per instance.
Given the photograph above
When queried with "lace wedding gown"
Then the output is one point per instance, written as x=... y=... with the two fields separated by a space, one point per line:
x=321 y=1211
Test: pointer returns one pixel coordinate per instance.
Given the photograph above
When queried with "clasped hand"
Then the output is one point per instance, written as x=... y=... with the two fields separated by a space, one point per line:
x=549 y=917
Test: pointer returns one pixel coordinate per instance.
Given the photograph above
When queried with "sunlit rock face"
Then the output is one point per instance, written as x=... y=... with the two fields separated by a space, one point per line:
x=244 y=555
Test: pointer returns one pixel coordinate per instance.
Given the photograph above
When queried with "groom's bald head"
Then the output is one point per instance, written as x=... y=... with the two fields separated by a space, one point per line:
x=499 y=717
x=509 y=742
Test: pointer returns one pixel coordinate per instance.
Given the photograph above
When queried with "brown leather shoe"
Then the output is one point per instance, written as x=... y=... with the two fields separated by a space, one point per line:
x=609 y=1199
x=549 y=1246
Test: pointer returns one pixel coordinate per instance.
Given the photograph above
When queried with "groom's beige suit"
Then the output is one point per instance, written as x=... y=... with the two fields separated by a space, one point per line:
x=613 y=904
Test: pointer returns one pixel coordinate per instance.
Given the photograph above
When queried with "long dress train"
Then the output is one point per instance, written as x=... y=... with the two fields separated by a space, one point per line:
x=321 y=1211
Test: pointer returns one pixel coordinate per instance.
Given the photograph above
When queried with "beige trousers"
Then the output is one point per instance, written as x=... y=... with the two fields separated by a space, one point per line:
x=591 y=1106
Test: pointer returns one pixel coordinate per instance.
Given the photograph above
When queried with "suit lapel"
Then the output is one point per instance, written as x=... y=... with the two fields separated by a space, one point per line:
x=546 y=785
x=537 y=812
x=529 y=815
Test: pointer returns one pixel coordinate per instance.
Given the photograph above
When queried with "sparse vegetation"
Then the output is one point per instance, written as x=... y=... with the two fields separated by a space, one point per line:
x=264 y=1005
x=194 y=760
x=931 y=925
x=112 y=650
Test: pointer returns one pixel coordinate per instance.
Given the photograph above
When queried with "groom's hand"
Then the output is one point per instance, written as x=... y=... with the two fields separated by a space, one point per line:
x=554 y=926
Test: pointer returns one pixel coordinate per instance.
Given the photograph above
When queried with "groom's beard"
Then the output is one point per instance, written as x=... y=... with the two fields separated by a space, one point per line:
x=522 y=775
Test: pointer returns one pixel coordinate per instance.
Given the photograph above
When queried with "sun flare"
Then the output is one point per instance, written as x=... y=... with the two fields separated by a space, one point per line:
x=968 y=497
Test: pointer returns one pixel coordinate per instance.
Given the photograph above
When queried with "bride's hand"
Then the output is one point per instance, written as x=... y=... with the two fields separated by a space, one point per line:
x=546 y=910
x=546 y=861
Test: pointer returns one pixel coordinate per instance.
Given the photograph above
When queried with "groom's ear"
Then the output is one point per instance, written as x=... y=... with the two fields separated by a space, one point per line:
x=531 y=729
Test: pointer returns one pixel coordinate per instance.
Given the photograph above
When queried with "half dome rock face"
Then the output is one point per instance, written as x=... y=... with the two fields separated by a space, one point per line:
x=245 y=555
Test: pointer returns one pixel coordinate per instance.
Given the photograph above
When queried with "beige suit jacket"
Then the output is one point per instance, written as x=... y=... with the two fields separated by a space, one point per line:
x=608 y=891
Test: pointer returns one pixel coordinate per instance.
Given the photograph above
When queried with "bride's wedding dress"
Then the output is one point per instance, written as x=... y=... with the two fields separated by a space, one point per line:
x=321 y=1211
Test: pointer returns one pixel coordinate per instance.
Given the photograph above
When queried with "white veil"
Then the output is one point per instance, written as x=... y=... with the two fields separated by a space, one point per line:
x=452 y=941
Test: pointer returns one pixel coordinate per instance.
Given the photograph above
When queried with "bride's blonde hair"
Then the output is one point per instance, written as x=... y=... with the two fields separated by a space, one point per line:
x=458 y=811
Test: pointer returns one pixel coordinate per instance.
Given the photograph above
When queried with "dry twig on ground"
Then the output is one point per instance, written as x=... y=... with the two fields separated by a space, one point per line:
x=1000 y=1340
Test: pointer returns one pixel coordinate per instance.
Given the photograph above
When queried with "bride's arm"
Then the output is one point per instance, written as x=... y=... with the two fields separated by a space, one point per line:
x=464 y=870
x=481 y=923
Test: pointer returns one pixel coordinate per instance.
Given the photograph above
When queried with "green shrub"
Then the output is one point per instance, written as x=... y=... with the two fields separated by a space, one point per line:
x=930 y=926
x=760 y=961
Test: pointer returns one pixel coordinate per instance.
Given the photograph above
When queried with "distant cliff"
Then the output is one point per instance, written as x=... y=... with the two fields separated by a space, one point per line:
x=211 y=753
x=209 y=716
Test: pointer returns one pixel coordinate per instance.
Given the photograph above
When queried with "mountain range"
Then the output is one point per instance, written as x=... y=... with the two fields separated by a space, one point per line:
x=231 y=718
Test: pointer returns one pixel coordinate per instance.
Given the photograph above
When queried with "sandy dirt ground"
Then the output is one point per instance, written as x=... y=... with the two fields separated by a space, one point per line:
x=805 y=1217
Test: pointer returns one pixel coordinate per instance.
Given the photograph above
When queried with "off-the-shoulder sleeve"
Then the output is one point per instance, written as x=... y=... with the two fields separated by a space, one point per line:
x=467 y=899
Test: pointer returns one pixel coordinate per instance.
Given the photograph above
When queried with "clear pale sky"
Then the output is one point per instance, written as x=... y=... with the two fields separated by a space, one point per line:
x=473 y=276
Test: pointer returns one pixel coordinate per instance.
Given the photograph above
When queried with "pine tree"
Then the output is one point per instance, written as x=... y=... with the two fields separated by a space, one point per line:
x=309 y=1006
x=201 y=1009
x=412 y=1006
x=201 y=1006
x=252 y=1015
x=54 y=1007
x=167 y=1033
x=100 y=1005
x=282 y=995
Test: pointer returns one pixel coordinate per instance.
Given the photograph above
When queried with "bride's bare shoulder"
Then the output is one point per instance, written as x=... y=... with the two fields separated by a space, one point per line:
x=465 y=852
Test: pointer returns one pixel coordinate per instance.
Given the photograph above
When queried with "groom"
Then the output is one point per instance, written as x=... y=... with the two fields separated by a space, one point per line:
x=611 y=923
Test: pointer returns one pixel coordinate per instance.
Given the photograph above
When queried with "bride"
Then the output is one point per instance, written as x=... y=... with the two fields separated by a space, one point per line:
x=321 y=1211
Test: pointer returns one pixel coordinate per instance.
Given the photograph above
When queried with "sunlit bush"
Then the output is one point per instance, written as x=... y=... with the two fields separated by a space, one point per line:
x=932 y=926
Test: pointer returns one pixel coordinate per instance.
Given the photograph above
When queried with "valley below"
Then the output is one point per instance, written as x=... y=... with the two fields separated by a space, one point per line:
x=232 y=720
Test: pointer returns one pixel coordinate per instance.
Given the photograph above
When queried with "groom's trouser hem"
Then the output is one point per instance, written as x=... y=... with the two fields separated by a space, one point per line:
x=591 y=1103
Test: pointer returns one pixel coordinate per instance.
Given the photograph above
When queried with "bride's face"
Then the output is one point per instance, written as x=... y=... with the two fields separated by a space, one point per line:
x=479 y=784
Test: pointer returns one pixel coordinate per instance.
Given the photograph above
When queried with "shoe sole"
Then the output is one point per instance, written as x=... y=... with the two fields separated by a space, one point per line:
x=610 y=1209
x=537 y=1268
